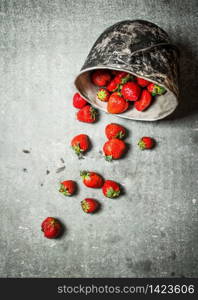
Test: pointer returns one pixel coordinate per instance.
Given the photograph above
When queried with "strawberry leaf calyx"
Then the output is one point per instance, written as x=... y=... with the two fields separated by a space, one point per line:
x=102 y=94
x=84 y=174
x=85 y=205
x=142 y=144
x=77 y=149
x=126 y=79
x=93 y=113
x=119 y=88
x=108 y=157
x=119 y=135
x=158 y=90
x=111 y=193
x=63 y=190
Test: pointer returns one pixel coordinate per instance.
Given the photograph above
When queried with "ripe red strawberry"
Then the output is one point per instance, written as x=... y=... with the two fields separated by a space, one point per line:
x=155 y=89
x=114 y=149
x=144 y=101
x=80 y=144
x=89 y=205
x=67 y=187
x=113 y=131
x=103 y=94
x=111 y=189
x=131 y=91
x=87 y=114
x=51 y=228
x=142 y=82
x=117 y=104
x=112 y=86
x=146 y=143
x=78 y=101
x=122 y=77
x=92 y=179
x=101 y=77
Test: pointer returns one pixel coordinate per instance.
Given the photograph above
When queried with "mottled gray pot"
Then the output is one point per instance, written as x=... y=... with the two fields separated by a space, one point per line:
x=142 y=49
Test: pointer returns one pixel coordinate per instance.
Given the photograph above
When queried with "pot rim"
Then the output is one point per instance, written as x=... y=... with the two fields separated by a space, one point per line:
x=125 y=70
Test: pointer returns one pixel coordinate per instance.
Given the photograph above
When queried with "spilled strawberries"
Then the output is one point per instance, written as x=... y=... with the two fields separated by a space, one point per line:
x=121 y=91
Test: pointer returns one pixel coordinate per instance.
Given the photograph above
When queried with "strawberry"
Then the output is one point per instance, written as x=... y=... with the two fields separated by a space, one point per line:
x=113 y=131
x=122 y=77
x=86 y=114
x=155 y=89
x=117 y=104
x=142 y=82
x=103 y=94
x=78 y=101
x=89 y=205
x=146 y=143
x=67 y=187
x=114 y=149
x=111 y=189
x=112 y=86
x=91 y=179
x=51 y=228
x=100 y=77
x=144 y=101
x=80 y=143
x=131 y=91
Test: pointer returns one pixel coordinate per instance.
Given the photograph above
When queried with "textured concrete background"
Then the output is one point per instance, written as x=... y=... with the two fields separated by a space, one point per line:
x=152 y=229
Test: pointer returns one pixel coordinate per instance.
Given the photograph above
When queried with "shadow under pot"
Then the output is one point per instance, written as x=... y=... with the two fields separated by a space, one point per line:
x=141 y=49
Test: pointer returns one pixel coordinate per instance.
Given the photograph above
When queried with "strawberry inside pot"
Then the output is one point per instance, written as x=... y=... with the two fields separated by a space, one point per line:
x=142 y=59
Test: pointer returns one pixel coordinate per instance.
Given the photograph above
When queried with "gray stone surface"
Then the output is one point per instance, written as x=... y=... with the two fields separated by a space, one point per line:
x=152 y=229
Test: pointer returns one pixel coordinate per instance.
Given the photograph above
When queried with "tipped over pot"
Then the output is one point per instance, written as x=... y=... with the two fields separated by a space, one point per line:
x=142 y=49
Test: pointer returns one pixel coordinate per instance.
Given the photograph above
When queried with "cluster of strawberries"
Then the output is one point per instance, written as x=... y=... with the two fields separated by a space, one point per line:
x=110 y=189
x=120 y=89
x=114 y=148
x=52 y=227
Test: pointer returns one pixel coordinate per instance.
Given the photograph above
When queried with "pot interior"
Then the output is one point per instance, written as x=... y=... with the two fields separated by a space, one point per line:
x=162 y=106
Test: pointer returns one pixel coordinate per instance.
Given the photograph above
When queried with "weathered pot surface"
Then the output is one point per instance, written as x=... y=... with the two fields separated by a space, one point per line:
x=143 y=49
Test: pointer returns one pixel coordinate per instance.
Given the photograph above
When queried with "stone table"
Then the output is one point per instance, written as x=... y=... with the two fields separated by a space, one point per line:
x=151 y=231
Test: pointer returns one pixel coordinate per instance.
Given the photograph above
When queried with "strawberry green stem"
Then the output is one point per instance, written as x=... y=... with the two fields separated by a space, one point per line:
x=102 y=95
x=158 y=90
x=142 y=145
x=111 y=193
x=119 y=135
x=77 y=149
x=108 y=157
x=84 y=174
x=64 y=191
x=85 y=206
x=93 y=113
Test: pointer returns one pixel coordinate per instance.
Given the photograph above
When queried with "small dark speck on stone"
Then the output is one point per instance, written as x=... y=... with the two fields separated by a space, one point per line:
x=61 y=169
x=25 y=170
x=62 y=160
x=47 y=172
x=81 y=157
x=173 y=255
x=163 y=234
x=173 y=274
x=41 y=184
x=142 y=265
x=26 y=151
